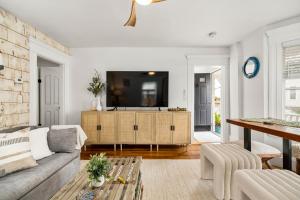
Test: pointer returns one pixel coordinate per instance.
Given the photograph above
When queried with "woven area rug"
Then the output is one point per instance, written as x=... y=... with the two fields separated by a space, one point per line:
x=165 y=179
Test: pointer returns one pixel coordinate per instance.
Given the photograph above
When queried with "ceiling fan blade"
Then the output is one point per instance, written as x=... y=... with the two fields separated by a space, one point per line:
x=132 y=19
x=157 y=1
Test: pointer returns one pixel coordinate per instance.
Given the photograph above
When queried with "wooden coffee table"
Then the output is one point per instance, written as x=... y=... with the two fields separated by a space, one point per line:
x=128 y=168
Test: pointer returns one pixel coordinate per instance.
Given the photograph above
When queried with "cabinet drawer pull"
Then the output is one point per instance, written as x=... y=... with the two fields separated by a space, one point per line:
x=98 y=127
x=172 y=128
x=135 y=127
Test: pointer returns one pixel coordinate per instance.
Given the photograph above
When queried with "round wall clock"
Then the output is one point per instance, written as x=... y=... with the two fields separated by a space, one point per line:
x=251 y=67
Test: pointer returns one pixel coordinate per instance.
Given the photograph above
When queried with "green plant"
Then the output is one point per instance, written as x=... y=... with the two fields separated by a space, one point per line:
x=217 y=119
x=96 y=86
x=98 y=166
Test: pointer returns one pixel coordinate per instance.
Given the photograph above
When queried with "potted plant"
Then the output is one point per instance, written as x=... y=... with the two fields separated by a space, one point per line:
x=98 y=169
x=97 y=87
x=217 y=123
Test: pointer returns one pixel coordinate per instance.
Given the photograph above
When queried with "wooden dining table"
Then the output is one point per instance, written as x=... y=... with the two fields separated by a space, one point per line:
x=288 y=134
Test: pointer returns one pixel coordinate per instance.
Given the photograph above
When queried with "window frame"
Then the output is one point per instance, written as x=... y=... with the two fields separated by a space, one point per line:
x=274 y=42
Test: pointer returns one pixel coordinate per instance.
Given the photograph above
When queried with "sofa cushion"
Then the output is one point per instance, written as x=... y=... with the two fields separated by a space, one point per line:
x=15 y=152
x=16 y=185
x=62 y=140
x=39 y=143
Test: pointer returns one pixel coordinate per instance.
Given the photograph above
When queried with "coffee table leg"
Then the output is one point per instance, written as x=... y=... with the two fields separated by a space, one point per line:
x=247 y=139
x=287 y=154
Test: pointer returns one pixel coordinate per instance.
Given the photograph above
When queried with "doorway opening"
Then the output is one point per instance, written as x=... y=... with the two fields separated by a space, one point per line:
x=50 y=92
x=207 y=103
x=60 y=61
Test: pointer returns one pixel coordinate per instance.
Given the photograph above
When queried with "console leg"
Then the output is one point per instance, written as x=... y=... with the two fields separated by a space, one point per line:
x=150 y=147
x=247 y=139
x=121 y=147
x=287 y=154
x=84 y=147
x=157 y=146
x=115 y=147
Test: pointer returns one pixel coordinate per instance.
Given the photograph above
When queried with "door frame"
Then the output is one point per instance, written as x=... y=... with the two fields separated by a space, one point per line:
x=39 y=49
x=204 y=60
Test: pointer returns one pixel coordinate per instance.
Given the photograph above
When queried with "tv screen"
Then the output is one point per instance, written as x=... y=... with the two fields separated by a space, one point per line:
x=137 y=89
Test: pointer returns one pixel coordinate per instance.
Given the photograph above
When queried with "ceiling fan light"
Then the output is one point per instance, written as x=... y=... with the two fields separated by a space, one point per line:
x=144 y=2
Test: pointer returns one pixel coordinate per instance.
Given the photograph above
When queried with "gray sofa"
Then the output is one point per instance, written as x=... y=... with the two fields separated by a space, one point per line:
x=43 y=181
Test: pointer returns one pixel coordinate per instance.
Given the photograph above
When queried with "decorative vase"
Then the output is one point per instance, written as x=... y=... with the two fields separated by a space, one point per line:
x=94 y=103
x=99 y=107
x=98 y=183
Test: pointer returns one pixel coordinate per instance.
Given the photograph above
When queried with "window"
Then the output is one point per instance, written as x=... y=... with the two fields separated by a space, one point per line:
x=291 y=83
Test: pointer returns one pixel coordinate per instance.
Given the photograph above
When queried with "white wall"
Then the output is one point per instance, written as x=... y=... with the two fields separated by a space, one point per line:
x=254 y=91
x=41 y=62
x=253 y=100
x=85 y=60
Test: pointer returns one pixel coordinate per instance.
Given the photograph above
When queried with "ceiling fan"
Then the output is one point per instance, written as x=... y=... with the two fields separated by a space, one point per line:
x=132 y=19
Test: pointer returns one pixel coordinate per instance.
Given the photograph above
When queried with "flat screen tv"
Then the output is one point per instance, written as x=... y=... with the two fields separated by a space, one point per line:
x=137 y=89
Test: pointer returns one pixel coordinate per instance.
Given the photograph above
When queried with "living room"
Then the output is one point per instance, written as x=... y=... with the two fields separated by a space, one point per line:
x=118 y=99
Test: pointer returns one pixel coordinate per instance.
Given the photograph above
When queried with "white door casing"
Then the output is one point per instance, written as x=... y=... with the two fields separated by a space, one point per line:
x=211 y=60
x=51 y=96
x=40 y=49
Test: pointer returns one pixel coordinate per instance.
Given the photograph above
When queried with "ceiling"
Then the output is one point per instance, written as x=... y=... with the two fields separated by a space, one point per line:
x=94 y=23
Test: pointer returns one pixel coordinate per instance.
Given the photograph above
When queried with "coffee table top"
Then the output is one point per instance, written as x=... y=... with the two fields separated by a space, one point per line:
x=128 y=168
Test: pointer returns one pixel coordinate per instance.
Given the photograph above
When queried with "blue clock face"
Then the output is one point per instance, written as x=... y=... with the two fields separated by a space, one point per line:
x=251 y=67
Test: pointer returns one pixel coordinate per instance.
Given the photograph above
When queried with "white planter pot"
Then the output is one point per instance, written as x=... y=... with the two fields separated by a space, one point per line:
x=99 y=182
x=99 y=107
x=94 y=103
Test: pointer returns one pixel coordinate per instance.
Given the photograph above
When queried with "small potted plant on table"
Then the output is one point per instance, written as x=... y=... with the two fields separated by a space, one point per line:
x=98 y=169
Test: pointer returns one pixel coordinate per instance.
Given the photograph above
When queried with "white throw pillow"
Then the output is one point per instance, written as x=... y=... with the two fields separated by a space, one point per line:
x=15 y=152
x=39 y=143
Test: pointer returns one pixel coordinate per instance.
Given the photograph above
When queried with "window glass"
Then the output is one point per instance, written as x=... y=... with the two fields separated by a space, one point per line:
x=291 y=83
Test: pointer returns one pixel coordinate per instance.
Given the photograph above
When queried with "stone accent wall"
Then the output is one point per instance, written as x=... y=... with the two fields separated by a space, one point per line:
x=14 y=46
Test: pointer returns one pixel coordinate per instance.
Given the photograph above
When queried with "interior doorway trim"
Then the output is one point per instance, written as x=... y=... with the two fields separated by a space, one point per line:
x=39 y=49
x=218 y=60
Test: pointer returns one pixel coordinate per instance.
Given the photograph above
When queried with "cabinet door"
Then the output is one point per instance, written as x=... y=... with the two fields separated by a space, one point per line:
x=163 y=130
x=181 y=132
x=145 y=128
x=89 y=122
x=126 y=133
x=107 y=121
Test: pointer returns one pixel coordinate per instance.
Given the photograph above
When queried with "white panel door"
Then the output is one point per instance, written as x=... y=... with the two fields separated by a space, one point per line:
x=51 y=96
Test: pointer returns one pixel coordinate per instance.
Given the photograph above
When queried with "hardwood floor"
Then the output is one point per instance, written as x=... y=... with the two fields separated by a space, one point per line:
x=165 y=151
